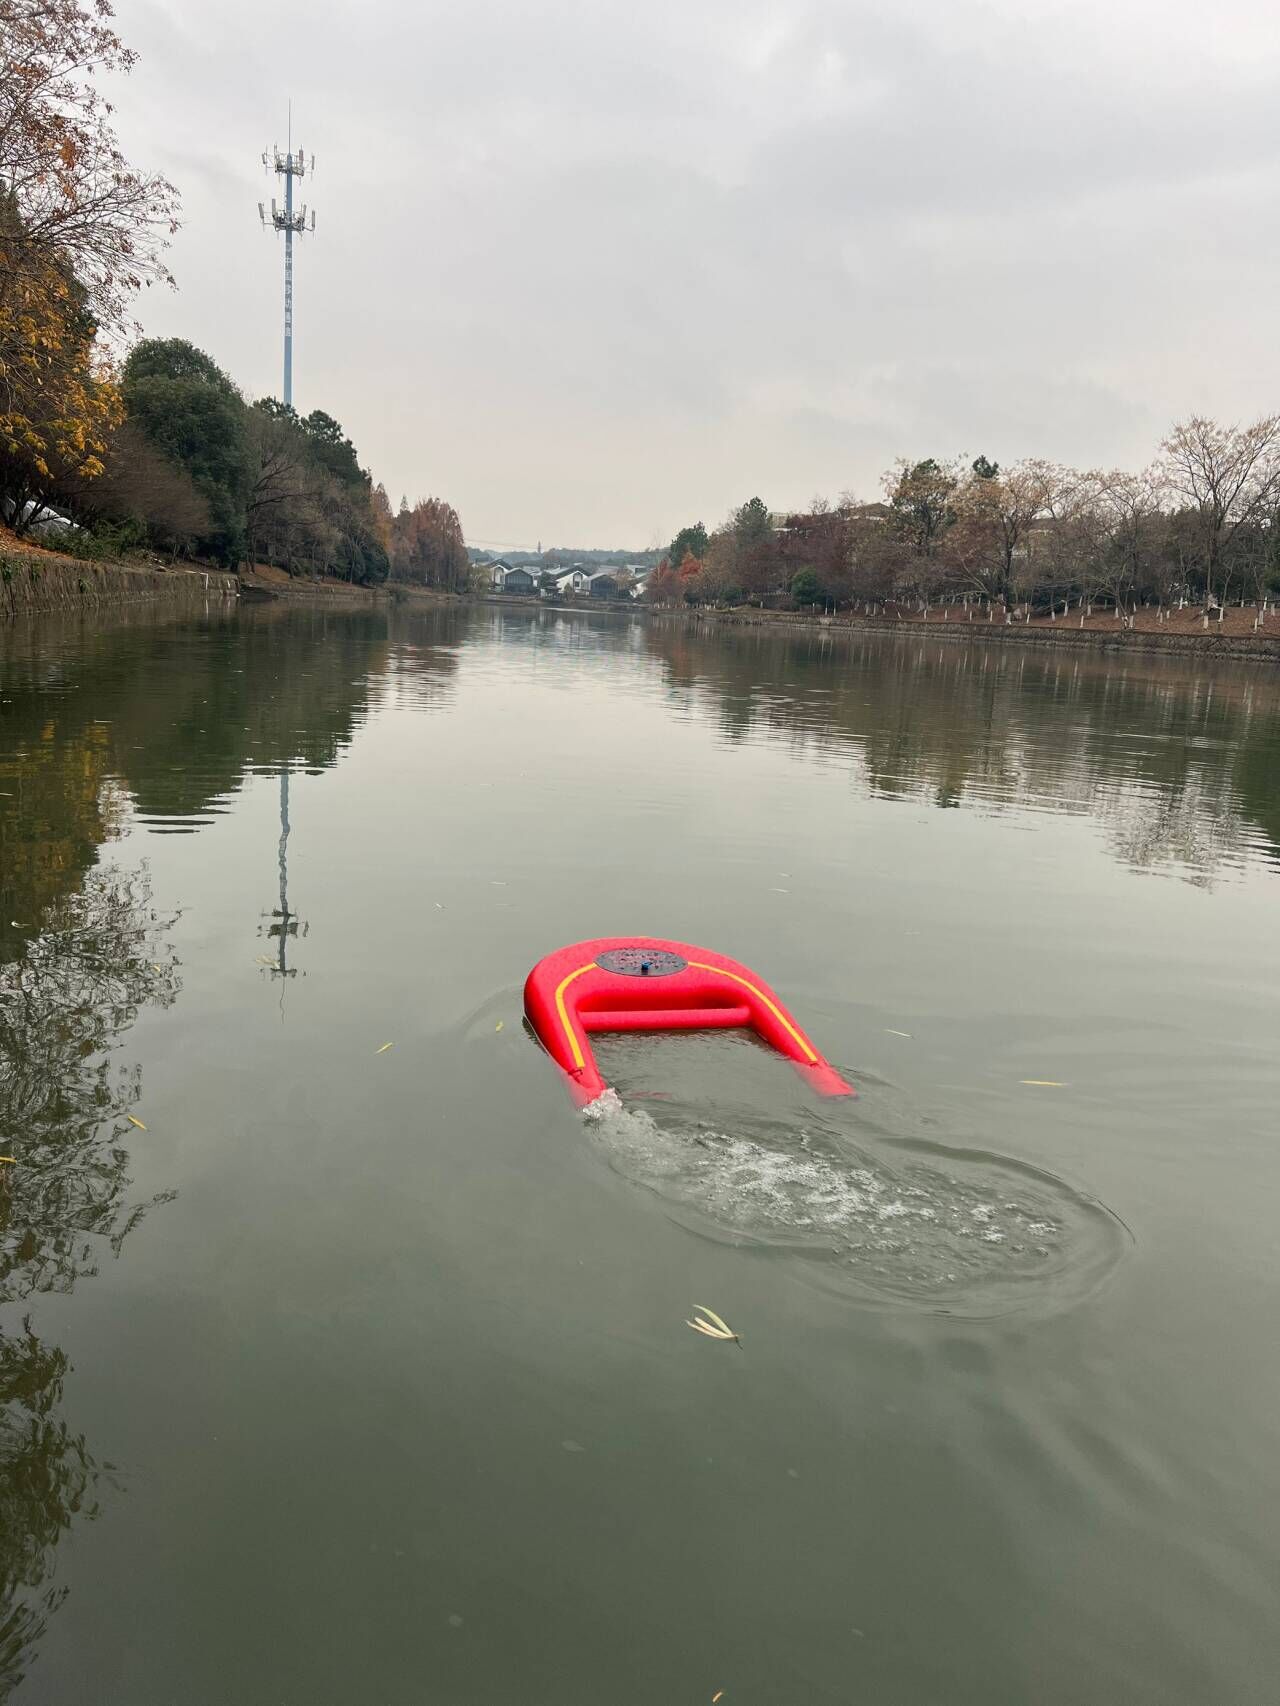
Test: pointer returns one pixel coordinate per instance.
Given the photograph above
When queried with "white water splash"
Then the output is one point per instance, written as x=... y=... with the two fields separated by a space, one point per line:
x=918 y=1224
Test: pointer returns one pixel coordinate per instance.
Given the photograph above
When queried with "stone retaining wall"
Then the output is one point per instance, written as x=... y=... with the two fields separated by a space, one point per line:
x=35 y=581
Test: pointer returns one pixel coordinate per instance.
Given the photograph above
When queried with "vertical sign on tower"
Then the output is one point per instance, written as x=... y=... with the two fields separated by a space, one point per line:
x=292 y=222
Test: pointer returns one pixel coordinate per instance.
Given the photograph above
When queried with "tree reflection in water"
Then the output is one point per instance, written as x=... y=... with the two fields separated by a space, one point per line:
x=47 y=1478
x=64 y=1107
x=1174 y=758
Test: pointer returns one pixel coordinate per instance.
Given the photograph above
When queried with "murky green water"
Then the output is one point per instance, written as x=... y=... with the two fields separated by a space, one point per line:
x=331 y=1376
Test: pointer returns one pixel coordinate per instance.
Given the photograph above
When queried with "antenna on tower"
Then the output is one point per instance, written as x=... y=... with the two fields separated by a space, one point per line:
x=293 y=223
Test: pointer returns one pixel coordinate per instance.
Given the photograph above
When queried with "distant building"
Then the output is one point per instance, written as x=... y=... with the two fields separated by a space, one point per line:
x=505 y=578
x=569 y=582
x=603 y=584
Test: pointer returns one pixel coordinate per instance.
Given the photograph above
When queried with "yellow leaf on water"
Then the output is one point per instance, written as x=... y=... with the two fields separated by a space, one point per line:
x=499 y=1025
x=137 y=1122
x=1045 y=1083
x=384 y=1048
x=701 y=1326
x=9 y=1159
x=717 y=1696
x=719 y=1320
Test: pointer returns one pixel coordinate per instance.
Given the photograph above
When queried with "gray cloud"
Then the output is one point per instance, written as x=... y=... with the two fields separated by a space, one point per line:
x=591 y=271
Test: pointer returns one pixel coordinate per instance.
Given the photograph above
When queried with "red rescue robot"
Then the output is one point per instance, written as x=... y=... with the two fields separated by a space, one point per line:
x=638 y=983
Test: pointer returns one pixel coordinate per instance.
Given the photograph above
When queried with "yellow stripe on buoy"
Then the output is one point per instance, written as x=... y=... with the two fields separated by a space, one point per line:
x=575 y=1048
x=760 y=995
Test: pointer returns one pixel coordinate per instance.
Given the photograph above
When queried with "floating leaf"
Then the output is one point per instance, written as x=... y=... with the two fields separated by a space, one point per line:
x=1045 y=1083
x=719 y=1320
x=499 y=1025
x=384 y=1048
x=132 y=1121
x=890 y=1032
x=718 y=1695
x=721 y=1329
x=9 y=1160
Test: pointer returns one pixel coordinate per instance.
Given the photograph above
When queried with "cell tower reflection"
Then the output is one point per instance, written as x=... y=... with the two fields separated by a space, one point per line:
x=285 y=926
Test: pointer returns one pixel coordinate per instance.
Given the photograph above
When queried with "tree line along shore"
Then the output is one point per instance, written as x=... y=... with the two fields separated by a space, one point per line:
x=1192 y=540
x=113 y=449
x=35 y=580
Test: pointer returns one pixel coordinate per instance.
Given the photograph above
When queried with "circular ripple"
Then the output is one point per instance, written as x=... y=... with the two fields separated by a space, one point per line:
x=910 y=1224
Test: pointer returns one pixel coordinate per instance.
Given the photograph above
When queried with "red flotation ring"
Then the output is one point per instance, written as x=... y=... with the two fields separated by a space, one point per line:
x=638 y=983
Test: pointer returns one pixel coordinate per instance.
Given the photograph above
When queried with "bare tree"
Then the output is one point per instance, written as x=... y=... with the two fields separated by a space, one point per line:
x=1228 y=478
x=1066 y=547
x=1258 y=553
x=989 y=540
x=1132 y=513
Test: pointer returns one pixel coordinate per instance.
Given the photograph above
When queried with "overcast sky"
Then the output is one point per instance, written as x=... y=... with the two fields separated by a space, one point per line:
x=592 y=269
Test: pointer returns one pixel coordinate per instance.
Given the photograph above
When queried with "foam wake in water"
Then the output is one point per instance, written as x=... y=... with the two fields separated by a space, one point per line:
x=919 y=1224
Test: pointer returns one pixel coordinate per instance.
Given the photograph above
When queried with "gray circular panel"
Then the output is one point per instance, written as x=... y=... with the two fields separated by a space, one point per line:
x=640 y=962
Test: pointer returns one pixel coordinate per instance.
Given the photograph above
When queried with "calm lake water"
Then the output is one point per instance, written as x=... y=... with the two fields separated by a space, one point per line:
x=331 y=1376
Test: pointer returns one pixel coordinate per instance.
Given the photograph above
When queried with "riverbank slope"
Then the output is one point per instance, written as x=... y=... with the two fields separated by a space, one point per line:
x=35 y=580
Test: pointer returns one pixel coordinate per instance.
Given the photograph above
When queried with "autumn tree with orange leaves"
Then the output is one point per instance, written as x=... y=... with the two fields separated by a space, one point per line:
x=58 y=402
x=81 y=231
x=428 y=547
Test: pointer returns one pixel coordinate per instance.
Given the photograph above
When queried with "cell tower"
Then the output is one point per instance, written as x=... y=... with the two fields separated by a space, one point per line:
x=290 y=166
